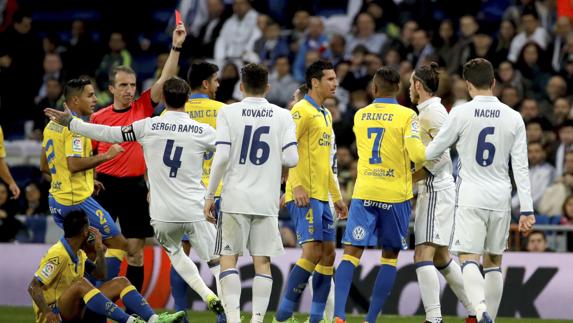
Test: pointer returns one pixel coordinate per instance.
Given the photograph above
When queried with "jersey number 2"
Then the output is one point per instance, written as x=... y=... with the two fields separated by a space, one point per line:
x=379 y=134
x=175 y=162
x=259 y=150
x=483 y=146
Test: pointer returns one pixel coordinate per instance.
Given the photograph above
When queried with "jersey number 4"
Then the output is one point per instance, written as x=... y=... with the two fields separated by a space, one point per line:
x=173 y=163
x=259 y=150
x=377 y=147
x=485 y=150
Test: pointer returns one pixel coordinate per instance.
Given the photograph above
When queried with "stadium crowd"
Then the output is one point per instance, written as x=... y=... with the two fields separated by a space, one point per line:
x=529 y=42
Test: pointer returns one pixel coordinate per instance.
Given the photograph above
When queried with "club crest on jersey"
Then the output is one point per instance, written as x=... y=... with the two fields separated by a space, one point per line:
x=359 y=233
x=296 y=115
x=77 y=145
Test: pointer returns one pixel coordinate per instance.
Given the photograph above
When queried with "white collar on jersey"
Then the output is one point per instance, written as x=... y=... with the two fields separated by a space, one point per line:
x=428 y=102
x=255 y=99
x=486 y=98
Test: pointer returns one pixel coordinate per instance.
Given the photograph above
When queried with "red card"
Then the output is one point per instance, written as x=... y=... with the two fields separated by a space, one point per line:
x=178 y=20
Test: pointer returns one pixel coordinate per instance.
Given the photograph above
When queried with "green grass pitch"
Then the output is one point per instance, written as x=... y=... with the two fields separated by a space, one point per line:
x=26 y=315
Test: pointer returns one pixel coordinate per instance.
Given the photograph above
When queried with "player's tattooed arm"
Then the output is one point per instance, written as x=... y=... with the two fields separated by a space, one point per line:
x=100 y=269
x=35 y=289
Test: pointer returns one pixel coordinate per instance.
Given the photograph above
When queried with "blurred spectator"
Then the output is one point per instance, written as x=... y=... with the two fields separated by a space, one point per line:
x=52 y=70
x=567 y=215
x=365 y=34
x=445 y=42
x=554 y=196
x=421 y=48
x=81 y=44
x=300 y=22
x=51 y=44
x=481 y=46
x=510 y=96
x=566 y=139
x=239 y=33
x=282 y=83
x=9 y=226
x=144 y=58
x=534 y=66
x=561 y=110
x=271 y=45
x=514 y=12
x=541 y=173
x=35 y=203
x=529 y=109
x=342 y=128
x=403 y=44
x=392 y=58
x=537 y=242
x=337 y=47
x=202 y=44
x=53 y=99
x=556 y=88
x=315 y=40
x=557 y=47
x=460 y=92
x=118 y=56
x=532 y=31
x=386 y=15
x=229 y=78
x=507 y=31
x=508 y=75
x=160 y=61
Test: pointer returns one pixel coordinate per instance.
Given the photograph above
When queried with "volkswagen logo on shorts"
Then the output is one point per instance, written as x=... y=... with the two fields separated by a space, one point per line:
x=359 y=233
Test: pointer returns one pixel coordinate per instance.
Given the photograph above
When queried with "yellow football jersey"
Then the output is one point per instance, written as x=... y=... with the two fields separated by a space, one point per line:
x=202 y=109
x=314 y=137
x=59 y=144
x=59 y=268
x=2 y=149
x=388 y=141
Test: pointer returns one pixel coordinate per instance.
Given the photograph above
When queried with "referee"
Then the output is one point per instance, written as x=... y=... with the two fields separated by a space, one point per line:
x=125 y=194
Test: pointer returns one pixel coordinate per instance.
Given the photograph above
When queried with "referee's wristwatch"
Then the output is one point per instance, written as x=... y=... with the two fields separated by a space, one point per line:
x=177 y=49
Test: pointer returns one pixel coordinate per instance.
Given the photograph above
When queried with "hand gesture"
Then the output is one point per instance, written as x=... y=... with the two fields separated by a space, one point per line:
x=60 y=117
x=179 y=35
x=341 y=209
x=113 y=151
x=15 y=191
x=300 y=196
x=209 y=210
x=526 y=222
x=97 y=242
x=98 y=187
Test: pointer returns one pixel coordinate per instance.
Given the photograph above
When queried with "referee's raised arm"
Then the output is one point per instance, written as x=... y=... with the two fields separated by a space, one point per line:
x=170 y=68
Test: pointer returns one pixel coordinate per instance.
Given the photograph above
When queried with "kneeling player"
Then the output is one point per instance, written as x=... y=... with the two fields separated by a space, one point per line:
x=387 y=139
x=60 y=293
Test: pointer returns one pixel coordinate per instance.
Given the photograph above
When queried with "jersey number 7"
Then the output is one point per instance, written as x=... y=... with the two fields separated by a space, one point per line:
x=377 y=147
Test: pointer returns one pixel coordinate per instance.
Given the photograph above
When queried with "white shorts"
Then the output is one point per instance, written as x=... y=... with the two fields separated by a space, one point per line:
x=202 y=235
x=434 y=219
x=258 y=234
x=480 y=231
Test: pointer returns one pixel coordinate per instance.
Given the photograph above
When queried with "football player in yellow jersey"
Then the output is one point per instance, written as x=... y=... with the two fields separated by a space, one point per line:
x=204 y=82
x=68 y=159
x=5 y=171
x=60 y=293
x=307 y=190
x=388 y=141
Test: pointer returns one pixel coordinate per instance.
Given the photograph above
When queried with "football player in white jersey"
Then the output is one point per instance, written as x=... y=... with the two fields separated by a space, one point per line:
x=436 y=201
x=255 y=140
x=488 y=134
x=173 y=146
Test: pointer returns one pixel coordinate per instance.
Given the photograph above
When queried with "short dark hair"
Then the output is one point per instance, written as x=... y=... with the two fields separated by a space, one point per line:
x=429 y=76
x=542 y=122
x=20 y=15
x=199 y=72
x=75 y=87
x=175 y=92
x=255 y=78
x=479 y=72
x=537 y=232
x=566 y=123
x=303 y=88
x=74 y=223
x=316 y=71
x=387 y=79
x=117 y=69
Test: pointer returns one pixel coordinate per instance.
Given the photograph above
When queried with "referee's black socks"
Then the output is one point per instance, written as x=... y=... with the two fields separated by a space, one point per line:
x=135 y=275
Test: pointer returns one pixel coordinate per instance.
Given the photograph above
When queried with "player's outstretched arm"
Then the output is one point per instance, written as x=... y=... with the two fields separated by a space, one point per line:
x=80 y=164
x=35 y=289
x=171 y=65
x=446 y=137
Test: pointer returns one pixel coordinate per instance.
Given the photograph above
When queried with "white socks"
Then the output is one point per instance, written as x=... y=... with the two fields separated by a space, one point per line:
x=153 y=318
x=429 y=290
x=231 y=294
x=453 y=275
x=262 y=287
x=474 y=286
x=189 y=272
x=493 y=289
x=216 y=270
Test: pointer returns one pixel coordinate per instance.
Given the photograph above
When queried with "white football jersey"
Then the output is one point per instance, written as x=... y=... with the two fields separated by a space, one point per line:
x=489 y=135
x=257 y=132
x=173 y=146
x=432 y=115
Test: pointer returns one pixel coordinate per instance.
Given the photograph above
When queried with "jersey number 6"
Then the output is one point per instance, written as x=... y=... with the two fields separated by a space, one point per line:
x=482 y=146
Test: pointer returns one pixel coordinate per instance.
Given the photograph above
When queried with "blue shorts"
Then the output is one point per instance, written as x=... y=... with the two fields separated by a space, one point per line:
x=99 y=218
x=314 y=223
x=372 y=223
x=217 y=211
